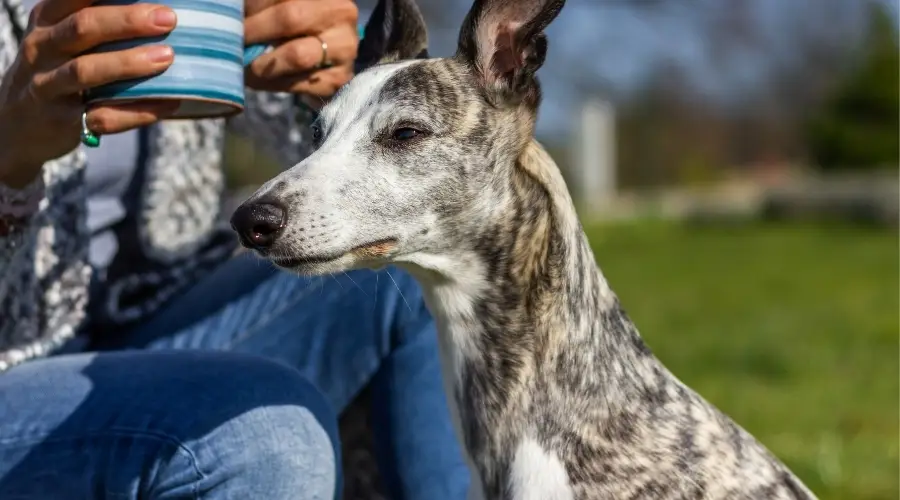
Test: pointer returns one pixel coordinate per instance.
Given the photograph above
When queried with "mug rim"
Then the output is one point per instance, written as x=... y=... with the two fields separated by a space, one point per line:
x=233 y=107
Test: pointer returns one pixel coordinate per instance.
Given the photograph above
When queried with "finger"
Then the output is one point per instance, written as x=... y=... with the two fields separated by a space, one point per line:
x=92 y=70
x=252 y=7
x=112 y=119
x=305 y=54
x=293 y=19
x=90 y=27
x=49 y=12
x=320 y=84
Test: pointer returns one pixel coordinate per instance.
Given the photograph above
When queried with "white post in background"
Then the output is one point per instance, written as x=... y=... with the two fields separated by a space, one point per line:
x=593 y=179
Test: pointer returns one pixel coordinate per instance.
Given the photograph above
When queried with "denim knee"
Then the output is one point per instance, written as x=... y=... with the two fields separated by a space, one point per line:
x=166 y=424
x=280 y=439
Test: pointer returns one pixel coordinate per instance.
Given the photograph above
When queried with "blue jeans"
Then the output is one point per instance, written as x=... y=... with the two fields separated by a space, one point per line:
x=159 y=413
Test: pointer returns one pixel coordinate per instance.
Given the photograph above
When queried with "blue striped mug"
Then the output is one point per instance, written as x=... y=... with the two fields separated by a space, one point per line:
x=207 y=75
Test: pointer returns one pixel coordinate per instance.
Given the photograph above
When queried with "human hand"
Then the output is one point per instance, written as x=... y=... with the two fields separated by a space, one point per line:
x=298 y=29
x=40 y=93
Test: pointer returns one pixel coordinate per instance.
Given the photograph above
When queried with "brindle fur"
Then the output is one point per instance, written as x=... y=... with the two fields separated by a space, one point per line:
x=535 y=344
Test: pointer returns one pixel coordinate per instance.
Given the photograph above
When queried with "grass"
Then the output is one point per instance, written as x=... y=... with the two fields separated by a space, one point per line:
x=792 y=330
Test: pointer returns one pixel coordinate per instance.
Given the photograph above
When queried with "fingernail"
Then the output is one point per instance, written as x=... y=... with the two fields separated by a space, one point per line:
x=164 y=18
x=160 y=54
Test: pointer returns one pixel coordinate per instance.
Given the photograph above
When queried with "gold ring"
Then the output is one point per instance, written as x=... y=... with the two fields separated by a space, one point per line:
x=325 y=62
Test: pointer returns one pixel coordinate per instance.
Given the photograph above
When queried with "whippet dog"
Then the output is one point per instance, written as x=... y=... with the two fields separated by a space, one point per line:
x=431 y=165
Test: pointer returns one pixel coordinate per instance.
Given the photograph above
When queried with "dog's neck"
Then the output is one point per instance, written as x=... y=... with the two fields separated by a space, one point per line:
x=525 y=308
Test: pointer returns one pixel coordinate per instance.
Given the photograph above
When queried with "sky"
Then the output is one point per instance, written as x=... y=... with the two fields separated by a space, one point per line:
x=617 y=46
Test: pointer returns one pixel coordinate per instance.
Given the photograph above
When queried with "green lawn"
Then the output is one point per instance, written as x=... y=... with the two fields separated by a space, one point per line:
x=791 y=330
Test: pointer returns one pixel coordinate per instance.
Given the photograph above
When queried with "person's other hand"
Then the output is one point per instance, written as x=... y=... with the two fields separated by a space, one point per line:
x=297 y=29
x=40 y=93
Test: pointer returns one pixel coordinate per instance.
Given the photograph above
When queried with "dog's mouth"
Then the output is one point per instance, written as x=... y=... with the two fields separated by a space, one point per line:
x=367 y=251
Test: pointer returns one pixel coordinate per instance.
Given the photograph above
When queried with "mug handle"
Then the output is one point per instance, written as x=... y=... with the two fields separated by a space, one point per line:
x=253 y=51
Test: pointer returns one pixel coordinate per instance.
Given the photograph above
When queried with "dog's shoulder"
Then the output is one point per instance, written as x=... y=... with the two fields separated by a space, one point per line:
x=673 y=445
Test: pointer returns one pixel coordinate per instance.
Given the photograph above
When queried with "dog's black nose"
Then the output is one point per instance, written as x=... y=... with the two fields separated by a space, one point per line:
x=258 y=224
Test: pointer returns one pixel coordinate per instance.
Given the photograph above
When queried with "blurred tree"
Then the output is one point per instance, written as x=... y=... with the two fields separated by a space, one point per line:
x=859 y=127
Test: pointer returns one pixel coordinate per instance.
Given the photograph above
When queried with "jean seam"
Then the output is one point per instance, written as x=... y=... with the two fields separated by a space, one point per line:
x=253 y=329
x=124 y=432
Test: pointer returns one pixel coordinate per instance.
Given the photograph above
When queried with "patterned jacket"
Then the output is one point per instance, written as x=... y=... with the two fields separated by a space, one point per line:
x=172 y=234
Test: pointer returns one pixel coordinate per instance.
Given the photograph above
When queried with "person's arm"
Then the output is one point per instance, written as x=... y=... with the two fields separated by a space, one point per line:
x=19 y=201
x=275 y=116
x=44 y=273
x=43 y=270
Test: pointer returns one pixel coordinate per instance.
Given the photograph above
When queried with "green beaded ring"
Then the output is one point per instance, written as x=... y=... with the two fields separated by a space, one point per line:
x=88 y=138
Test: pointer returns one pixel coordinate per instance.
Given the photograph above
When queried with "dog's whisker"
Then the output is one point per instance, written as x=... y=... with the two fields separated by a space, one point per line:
x=355 y=283
x=375 y=299
x=399 y=290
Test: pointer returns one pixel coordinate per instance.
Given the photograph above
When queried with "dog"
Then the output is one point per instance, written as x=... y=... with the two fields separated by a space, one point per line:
x=431 y=165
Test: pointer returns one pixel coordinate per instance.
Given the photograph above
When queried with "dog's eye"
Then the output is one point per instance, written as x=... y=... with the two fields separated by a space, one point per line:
x=405 y=134
x=316 y=134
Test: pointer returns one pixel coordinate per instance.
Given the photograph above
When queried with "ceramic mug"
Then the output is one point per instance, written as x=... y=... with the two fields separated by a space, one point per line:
x=207 y=75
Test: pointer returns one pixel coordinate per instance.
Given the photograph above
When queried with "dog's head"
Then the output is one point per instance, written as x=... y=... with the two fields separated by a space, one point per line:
x=414 y=155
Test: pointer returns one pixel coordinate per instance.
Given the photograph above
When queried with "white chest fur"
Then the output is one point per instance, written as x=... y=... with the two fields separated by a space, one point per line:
x=538 y=474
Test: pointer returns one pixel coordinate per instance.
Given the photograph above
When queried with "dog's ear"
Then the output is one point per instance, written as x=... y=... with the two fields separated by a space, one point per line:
x=504 y=42
x=395 y=31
